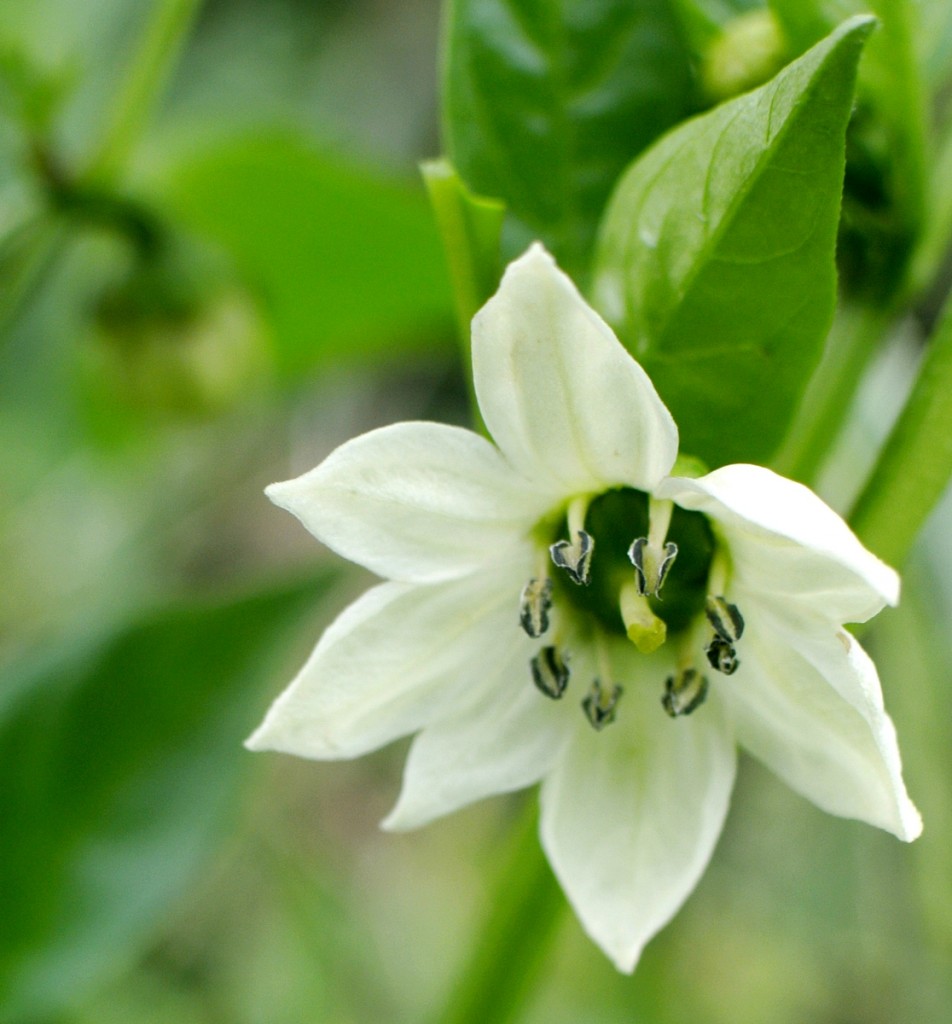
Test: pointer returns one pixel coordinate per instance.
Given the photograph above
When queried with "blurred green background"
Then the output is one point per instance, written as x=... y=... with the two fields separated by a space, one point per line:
x=214 y=269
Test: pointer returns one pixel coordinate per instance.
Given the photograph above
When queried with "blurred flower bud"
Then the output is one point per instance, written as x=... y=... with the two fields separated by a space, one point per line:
x=177 y=339
x=750 y=50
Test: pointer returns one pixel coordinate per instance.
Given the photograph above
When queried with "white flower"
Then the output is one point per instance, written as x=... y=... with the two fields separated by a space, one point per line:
x=758 y=575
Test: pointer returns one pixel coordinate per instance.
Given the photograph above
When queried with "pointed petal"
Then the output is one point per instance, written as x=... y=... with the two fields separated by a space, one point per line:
x=809 y=705
x=631 y=815
x=391 y=661
x=564 y=401
x=419 y=502
x=506 y=735
x=787 y=543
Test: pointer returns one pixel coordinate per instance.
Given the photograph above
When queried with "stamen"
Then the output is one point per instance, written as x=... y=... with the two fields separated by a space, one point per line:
x=722 y=656
x=728 y=625
x=645 y=630
x=535 y=602
x=575 y=557
x=684 y=692
x=550 y=672
x=599 y=706
x=651 y=565
x=652 y=556
x=725 y=618
x=601 y=701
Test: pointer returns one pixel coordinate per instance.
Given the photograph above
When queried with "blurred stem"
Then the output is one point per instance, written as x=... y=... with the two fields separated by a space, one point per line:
x=915 y=464
x=905 y=99
x=516 y=936
x=933 y=243
x=853 y=340
x=24 y=264
x=470 y=227
x=148 y=72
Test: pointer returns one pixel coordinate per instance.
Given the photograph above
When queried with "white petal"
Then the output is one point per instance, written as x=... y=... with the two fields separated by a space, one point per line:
x=809 y=705
x=560 y=395
x=420 y=502
x=785 y=542
x=631 y=815
x=391 y=661
x=504 y=736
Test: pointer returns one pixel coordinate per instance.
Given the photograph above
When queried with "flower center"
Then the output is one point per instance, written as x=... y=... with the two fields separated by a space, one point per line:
x=615 y=519
x=625 y=563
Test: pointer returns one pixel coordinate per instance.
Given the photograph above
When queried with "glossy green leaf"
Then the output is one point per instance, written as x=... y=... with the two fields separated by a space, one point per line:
x=716 y=257
x=545 y=104
x=891 y=83
x=119 y=767
x=348 y=262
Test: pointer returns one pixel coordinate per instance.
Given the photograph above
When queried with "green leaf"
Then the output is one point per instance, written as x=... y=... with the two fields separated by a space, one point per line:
x=471 y=226
x=545 y=104
x=891 y=83
x=348 y=262
x=716 y=257
x=119 y=766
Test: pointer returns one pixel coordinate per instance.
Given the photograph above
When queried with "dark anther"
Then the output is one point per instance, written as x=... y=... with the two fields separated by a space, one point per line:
x=575 y=557
x=599 y=707
x=722 y=656
x=651 y=566
x=534 y=606
x=725 y=619
x=550 y=672
x=684 y=692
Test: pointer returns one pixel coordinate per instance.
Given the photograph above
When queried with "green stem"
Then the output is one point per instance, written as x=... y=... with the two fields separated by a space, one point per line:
x=915 y=464
x=852 y=342
x=149 y=70
x=25 y=262
x=470 y=227
x=518 y=932
x=933 y=242
x=903 y=97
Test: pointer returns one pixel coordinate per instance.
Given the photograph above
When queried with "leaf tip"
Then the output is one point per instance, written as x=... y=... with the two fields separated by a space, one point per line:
x=858 y=27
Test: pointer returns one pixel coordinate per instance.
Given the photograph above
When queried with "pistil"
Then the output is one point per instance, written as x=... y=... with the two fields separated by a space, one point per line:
x=645 y=630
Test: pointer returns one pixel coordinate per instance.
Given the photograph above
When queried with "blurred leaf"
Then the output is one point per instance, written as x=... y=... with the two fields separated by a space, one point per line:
x=716 y=258
x=349 y=263
x=119 y=765
x=935 y=17
x=545 y=104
